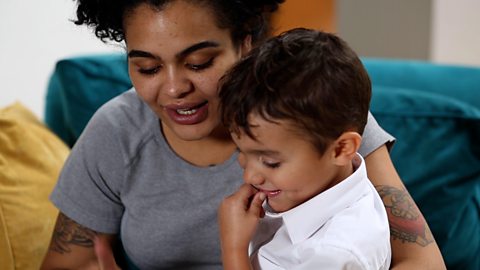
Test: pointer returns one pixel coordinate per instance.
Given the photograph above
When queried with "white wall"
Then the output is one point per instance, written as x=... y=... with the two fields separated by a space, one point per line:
x=34 y=34
x=441 y=31
x=456 y=32
x=386 y=28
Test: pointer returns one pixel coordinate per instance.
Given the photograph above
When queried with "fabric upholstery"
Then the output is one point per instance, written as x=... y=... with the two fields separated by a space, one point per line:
x=455 y=81
x=437 y=155
x=438 y=105
x=30 y=160
x=78 y=87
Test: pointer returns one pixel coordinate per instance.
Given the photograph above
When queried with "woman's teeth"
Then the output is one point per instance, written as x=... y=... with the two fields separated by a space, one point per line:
x=186 y=111
x=191 y=110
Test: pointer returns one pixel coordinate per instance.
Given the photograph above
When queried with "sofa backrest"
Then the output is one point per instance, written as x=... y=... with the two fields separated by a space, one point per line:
x=78 y=86
x=434 y=112
x=455 y=81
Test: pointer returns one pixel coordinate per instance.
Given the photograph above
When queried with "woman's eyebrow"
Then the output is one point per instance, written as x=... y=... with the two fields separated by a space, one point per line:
x=196 y=47
x=137 y=53
x=180 y=55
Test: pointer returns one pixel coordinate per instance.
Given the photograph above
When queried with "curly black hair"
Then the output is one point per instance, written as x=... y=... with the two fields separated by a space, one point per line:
x=242 y=17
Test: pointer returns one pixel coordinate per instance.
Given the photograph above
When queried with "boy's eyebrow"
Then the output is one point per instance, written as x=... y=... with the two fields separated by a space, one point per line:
x=264 y=152
x=180 y=55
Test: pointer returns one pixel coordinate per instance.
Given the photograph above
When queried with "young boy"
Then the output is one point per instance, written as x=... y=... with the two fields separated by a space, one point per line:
x=296 y=108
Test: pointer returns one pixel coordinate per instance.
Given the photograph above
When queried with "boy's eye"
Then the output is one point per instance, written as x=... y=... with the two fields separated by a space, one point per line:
x=269 y=163
x=199 y=67
x=272 y=165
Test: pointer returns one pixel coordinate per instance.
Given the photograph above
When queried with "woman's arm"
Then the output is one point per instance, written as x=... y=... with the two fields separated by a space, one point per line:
x=413 y=245
x=72 y=246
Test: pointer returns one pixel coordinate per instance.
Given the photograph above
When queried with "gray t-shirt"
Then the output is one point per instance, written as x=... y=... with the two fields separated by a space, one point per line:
x=122 y=177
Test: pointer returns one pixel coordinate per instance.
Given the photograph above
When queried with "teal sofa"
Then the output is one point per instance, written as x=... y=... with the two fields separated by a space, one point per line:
x=433 y=110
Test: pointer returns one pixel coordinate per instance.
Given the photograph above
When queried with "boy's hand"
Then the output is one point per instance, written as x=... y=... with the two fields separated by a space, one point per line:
x=238 y=217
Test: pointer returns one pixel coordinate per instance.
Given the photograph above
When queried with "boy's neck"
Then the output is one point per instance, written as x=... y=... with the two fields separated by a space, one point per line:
x=343 y=173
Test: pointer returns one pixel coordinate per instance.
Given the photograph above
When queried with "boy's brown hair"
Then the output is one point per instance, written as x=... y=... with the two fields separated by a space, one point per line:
x=311 y=78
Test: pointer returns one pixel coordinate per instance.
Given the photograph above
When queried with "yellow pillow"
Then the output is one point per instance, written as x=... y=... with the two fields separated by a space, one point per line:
x=31 y=157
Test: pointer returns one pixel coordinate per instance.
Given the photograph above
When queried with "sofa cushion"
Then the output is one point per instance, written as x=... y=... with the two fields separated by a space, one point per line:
x=459 y=82
x=437 y=154
x=78 y=87
x=30 y=160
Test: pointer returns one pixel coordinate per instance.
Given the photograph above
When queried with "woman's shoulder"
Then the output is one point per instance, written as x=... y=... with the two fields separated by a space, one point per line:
x=374 y=136
x=125 y=119
x=126 y=111
x=127 y=103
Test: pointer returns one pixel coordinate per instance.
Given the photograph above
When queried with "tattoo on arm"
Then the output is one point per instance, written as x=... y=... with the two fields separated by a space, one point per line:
x=406 y=221
x=67 y=232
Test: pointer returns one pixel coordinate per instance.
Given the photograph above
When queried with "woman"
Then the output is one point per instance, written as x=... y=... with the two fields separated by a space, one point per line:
x=154 y=163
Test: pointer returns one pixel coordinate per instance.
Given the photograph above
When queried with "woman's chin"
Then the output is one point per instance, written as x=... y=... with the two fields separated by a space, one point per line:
x=191 y=133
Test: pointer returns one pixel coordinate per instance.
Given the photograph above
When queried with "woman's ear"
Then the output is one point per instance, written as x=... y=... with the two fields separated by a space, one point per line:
x=246 y=46
x=346 y=147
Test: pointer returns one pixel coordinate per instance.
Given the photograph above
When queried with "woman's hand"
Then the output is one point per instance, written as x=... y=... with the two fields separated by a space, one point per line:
x=104 y=253
x=238 y=217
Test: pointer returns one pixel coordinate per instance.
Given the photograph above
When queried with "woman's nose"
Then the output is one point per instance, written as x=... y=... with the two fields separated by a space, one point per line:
x=176 y=84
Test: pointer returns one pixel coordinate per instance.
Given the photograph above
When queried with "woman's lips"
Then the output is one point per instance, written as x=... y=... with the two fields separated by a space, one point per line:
x=190 y=114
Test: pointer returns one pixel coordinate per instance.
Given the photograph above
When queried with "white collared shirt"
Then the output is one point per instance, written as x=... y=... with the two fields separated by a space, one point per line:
x=344 y=227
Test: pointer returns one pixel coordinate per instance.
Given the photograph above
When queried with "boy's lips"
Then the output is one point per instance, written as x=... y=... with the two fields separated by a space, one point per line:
x=270 y=193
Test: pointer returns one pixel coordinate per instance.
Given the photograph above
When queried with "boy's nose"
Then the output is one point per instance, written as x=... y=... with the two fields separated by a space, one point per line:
x=253 y=177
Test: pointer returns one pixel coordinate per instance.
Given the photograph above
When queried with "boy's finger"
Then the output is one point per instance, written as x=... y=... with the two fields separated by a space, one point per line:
x=256 y=204
x=245 y=192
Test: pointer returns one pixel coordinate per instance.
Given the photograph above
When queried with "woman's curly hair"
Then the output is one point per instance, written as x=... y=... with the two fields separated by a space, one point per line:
x=242 y=17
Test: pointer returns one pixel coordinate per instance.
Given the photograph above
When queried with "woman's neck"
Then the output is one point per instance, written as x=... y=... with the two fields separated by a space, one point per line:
x=214 y=149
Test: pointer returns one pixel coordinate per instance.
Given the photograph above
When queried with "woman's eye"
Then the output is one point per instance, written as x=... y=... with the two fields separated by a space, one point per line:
x=200 y=67
x=149 y=71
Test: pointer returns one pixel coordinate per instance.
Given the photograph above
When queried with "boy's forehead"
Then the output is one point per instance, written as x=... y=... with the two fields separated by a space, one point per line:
x=261 y=129
x=257 y=121
x=239 y=133
x=255 y=146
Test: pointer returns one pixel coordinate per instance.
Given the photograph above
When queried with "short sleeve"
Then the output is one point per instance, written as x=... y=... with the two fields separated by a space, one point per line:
x=374 y=136
x=89 y=187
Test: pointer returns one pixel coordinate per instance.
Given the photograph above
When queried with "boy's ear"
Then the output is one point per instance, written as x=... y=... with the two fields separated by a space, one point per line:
x=246 y=46
x=346 y=147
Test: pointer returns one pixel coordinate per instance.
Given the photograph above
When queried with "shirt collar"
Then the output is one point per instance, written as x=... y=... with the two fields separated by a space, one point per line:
x=304 y=220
